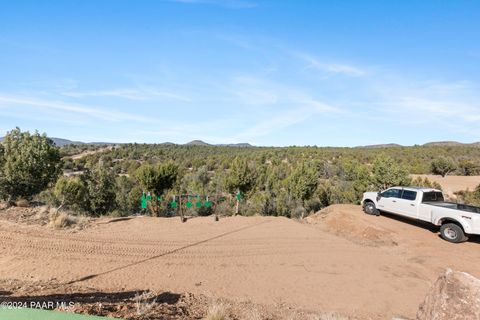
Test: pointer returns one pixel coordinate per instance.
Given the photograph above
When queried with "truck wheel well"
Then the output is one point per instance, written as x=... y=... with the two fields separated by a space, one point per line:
x=450 y=220
x=367 y=200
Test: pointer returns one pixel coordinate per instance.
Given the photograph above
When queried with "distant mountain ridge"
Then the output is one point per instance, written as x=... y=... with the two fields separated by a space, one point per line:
x=450 y=143
x=60 y=142
x=203 y=143
x=63 y=142
x=428 y=144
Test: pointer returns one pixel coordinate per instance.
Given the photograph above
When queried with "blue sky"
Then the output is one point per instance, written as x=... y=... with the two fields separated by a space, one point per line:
x=336 y=73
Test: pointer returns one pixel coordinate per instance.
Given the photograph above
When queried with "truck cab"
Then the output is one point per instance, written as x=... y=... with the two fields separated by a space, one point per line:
x=399 y=200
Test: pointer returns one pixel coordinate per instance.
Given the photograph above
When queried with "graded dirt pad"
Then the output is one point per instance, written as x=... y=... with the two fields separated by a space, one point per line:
x=350 y=263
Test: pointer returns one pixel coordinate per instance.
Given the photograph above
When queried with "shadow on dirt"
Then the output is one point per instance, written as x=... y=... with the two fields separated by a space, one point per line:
x=88 y=277
x=89 y=297
x=424 y=225
x=417 y=223
x=116 y=220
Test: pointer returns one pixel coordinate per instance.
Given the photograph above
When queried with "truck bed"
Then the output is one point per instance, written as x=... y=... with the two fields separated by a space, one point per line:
x=454 y=206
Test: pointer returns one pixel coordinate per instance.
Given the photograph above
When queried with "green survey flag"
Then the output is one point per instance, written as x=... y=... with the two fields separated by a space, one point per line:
x=144 y=201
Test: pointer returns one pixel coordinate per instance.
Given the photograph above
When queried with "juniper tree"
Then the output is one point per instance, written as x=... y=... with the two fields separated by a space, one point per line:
x=387 y=173
x=29 y=163
x=443 y=166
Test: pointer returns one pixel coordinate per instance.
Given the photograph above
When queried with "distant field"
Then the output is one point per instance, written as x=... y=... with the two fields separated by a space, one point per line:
x=451 y=184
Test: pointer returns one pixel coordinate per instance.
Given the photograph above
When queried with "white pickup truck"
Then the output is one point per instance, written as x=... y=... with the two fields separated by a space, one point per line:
x=456 y=221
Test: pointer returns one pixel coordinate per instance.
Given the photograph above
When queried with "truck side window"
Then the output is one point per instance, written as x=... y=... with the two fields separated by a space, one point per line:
x=392 y=193
x=409 y=195
x=432 y=196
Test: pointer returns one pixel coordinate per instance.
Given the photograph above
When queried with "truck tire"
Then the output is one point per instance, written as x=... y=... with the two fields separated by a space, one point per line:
x=369 y=208
x=452 y=232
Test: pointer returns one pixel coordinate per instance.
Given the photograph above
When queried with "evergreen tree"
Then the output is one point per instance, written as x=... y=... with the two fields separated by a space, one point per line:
x=240 y=177
x=303 y=182
x=386 y=173
x=100 y=182
x=443 y=166
x=29 y=163
x=71 y=193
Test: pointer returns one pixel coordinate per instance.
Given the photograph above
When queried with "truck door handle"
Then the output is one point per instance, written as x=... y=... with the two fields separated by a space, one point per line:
x=412 y=204
x=394 y=200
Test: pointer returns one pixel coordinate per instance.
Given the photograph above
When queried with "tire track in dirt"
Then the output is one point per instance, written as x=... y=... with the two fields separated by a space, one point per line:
x=40 y=245
x=173 y=251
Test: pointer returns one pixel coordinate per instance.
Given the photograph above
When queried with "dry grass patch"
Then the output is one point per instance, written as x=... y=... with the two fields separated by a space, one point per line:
x=217 y=311
x=64 y=219
x=22 y=203
x=330 y=316
x=145 y=302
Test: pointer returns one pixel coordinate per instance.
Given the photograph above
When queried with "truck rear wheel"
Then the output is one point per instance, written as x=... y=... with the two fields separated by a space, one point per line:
x=452 y=232
x=369 y=208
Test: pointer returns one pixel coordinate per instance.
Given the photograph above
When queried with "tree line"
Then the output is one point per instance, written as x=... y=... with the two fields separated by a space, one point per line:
x=290 y=181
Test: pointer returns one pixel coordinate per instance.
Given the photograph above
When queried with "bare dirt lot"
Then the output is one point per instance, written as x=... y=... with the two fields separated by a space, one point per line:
x=339 y=260
x=452 y=184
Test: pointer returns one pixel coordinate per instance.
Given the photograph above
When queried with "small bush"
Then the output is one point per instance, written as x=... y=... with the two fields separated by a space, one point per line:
x=118 y=213
x=330 y=316
x=63 y=219
x=22 y=203
x=217 y=311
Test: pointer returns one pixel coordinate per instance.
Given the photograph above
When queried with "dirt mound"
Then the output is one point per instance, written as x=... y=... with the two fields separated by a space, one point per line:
x=25 y=215
x=455 y=295
x=46 y=216
x=348 y=221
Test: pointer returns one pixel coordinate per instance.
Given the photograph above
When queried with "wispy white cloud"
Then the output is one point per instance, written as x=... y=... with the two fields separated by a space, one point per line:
x=331 y=68
x=101 y=113
x=283 y=105
x=284 y=119
x=234 y=4
x=143 y=94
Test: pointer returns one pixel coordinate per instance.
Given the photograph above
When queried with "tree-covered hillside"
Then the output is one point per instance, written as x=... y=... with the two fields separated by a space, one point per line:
x=290 y=181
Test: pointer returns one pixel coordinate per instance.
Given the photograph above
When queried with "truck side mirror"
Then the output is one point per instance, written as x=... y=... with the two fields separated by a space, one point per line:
x=379 y=195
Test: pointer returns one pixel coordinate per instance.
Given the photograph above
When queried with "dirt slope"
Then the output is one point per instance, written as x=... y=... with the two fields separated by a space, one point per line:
x=340 y=260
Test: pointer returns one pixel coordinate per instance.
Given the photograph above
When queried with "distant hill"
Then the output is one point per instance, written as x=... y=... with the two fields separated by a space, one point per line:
x=449 y=144
x=378 y=146
x=63 y=142
x=197 y=143
x=202 y=143
x=238 y=145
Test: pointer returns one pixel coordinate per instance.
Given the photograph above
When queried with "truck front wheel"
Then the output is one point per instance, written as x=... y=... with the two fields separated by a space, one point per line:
x=452 y=233
x=369 y=208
